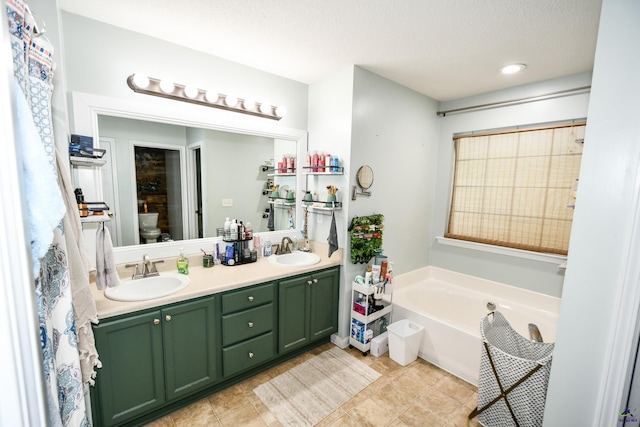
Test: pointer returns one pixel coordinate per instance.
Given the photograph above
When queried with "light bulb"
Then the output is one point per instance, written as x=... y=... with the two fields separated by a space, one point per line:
x=191 y=91
x=166 y=86
x=141 y=81
x=249 y=104
x=265 y=108
x=281 y=111
x=230 y=101
x=512 y=68
x=211 y=96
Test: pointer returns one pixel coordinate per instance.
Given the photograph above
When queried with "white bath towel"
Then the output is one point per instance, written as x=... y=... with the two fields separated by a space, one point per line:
x=84 y=306
x=106 y=274
x=44 y=204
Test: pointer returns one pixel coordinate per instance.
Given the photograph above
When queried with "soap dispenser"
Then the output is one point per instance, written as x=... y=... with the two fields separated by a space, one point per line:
x=182 y=263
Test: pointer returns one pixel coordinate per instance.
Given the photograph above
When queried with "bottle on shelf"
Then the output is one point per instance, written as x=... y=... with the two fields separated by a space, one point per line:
x=233 y=230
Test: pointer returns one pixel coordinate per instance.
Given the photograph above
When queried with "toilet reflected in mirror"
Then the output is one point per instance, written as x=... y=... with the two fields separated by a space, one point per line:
x=149 y=230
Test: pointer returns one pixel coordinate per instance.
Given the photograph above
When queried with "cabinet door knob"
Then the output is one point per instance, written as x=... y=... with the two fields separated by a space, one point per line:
x=250 y=355
x=315 y=280
x=156 y=321
x=250 y=324
x=309 y=282
x=167 y=318
x=250 y=299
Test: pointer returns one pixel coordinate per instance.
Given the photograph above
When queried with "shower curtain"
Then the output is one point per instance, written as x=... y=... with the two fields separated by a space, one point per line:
x=63 y=373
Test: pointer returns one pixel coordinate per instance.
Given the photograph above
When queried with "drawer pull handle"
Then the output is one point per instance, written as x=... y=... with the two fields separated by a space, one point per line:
x=250 y=355
x=251 y=324
x=250 y=299
x=167 y=318
x=156 y=321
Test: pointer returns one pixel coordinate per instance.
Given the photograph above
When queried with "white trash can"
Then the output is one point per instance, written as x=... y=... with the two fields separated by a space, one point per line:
x=404 y=341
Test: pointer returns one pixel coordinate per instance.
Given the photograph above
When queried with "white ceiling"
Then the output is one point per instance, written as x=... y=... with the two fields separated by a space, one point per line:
x=446 y=49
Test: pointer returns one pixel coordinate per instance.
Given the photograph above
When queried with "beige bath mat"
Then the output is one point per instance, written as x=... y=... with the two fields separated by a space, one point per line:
x=305 y=394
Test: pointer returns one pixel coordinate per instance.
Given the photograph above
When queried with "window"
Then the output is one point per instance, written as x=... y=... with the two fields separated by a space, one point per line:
x=513 y=188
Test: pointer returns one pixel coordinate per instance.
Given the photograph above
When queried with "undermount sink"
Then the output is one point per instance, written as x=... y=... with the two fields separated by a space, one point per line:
x=148 y=287
x=295 y=259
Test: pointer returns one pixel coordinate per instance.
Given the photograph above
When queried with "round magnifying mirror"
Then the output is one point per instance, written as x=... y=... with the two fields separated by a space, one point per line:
x=365 y=177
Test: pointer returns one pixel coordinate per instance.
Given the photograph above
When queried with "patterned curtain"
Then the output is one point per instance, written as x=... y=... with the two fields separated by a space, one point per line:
x=33 y=69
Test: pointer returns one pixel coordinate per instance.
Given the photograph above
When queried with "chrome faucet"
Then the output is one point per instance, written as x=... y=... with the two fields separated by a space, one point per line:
x=148 y=268
x=284 y=248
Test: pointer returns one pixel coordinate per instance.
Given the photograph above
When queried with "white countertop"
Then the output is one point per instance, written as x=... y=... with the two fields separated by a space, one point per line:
x=208 y=281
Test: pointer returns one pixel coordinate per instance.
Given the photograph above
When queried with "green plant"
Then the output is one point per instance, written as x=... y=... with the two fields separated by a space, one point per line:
x=366 y=237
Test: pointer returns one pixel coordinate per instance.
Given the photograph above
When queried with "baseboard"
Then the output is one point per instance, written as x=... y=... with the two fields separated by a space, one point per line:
x=339 y=341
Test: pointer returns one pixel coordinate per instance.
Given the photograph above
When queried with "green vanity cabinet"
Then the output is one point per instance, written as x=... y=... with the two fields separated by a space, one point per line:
x=163 y=358
x=308 y=308
x=152 y=358
x=248 y=323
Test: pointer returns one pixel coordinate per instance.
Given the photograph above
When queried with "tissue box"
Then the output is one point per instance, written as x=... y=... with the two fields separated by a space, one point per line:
x=380 y=345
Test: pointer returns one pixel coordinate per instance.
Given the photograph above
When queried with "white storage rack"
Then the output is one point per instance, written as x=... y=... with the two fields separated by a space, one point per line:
x=362 y=341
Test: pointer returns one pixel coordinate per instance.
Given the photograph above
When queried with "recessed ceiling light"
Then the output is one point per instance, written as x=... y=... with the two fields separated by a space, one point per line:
x=512 y=68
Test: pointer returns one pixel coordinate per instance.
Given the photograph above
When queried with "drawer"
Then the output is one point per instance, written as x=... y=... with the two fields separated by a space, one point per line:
x=248 y=354
x=247 y=324
x=247 y=298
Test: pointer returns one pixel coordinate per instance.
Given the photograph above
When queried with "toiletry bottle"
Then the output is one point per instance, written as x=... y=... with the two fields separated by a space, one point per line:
x=248 y=230
x=314 y=161
x=367 y=276
x=182 y=263
x=267 y=248
x=227 y=228
x=233 y=229
x=327 y=162
x=256 y=244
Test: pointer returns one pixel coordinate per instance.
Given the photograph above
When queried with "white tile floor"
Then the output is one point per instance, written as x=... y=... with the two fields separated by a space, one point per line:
x=418 y=394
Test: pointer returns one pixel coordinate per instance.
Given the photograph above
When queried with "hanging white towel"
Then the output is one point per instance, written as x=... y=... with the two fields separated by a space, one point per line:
x=106 y=274
x=45 y=207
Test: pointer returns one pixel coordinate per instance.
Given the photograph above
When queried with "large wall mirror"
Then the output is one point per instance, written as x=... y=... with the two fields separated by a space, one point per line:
x=191 y=169
x=192 y=178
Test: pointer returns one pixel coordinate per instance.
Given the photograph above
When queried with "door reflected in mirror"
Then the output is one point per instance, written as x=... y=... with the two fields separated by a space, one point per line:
x=193 y=178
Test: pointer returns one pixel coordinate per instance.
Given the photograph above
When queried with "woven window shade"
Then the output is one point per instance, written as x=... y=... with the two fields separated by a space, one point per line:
x=513 y=188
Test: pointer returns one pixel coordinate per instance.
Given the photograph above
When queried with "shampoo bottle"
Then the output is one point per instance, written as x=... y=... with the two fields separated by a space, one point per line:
x=227 y=228
x=182 y=263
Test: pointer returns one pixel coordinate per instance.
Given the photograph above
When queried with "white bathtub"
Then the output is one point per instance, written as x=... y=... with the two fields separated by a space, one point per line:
x=451 y=305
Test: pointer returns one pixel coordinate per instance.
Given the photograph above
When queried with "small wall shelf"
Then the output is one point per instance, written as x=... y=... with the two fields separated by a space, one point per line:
x=322 y=207
x=280 y=202
x=86 y=161
x=335 y=170
x=95 y=219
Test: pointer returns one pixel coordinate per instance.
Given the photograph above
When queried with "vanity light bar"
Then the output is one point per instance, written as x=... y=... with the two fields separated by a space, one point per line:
x=167 y=89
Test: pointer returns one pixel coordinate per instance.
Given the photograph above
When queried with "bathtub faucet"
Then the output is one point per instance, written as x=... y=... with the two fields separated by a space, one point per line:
x=491 y=306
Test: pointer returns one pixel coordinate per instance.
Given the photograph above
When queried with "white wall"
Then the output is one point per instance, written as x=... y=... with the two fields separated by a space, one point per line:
x=233 y=172
x=599 y=311
x=395 y=131
x=367 y=119
x=330 y=121
x=533 y=275
x=99 y=58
